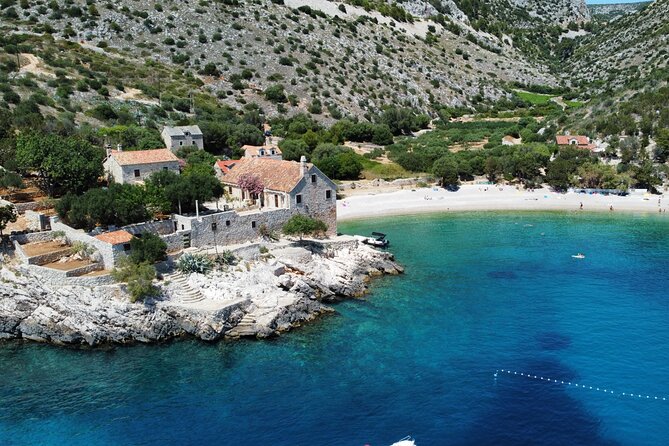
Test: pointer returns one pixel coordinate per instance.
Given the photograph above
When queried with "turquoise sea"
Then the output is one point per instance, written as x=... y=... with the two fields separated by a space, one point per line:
x=482 y=292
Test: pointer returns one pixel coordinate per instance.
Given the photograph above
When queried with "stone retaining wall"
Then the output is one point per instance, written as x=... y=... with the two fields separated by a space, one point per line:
x=33 y=237
x=49 y=257
x=83 y=270
x=53 y=277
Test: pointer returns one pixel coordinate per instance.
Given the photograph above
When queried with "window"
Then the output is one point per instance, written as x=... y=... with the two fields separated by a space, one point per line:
x=229 y=189
x=328 y=194
x=298 y=199
x=227 y=222
x=313 y=178
x=253 y=224
x=136 y=173
x=214 y=226
x=165 y=168
x=181 y=143
x=126 y=246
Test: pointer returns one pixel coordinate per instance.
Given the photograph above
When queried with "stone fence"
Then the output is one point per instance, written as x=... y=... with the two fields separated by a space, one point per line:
x=40 y=259
x=230 y=227
x=106 y=250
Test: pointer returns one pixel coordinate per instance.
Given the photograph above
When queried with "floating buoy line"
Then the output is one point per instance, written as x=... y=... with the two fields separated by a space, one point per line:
x=580 y=386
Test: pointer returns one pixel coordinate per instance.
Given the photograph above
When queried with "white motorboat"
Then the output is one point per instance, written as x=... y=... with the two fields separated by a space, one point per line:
x=378 y=240
x=406 y=441
x=579 y=256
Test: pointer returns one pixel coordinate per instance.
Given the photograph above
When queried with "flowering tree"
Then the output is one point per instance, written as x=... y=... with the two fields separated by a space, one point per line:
x=252 y=184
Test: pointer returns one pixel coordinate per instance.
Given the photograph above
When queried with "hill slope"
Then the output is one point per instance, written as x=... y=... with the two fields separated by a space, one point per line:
x=630 y=52
x=328 y=57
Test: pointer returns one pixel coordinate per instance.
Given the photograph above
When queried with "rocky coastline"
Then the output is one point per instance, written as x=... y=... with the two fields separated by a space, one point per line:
x=271 y=290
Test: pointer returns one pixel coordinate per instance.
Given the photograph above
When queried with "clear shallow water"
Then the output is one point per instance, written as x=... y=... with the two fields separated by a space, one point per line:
x=483 y=291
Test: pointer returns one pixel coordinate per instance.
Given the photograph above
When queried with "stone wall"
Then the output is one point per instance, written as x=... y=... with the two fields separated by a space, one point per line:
x=37 y=221
x=41 y=259
x=145 y=171
x=126 y=174
x=32 y=237
x=29 y=206
x=231 y=227
x=162 y=227
x=174 y=241
x=109 y=253
x=53 y=277
x=314 y=198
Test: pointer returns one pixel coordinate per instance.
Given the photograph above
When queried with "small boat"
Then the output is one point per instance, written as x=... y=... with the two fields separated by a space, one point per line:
x=378 y=240
x=406 y=441
x=579 y=256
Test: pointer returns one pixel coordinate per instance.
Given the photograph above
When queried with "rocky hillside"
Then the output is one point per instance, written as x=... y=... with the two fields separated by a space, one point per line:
x=305 y=55
x=630 y=52
x=557 y=11
x=611 y=12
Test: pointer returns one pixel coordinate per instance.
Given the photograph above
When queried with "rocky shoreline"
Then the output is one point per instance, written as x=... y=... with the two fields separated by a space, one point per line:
x=289 y=283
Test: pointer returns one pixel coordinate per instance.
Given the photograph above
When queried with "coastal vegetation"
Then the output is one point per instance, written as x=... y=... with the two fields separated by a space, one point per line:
x=301 y=226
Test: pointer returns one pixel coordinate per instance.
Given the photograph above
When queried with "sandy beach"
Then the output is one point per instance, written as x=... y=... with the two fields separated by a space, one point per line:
x=489 y=198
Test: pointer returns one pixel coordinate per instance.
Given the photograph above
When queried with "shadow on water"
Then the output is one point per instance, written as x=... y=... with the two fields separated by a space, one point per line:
x=531 y=412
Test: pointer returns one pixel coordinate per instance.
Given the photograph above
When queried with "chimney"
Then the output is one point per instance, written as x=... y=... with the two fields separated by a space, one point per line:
x=108 y=149
x=303 y=165
x=119 y=147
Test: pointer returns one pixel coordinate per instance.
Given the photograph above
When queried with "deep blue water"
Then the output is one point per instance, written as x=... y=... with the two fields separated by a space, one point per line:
x=482 y=291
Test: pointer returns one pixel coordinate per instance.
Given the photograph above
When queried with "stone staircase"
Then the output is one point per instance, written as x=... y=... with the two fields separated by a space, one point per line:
x=185 y=292
x=244 y=328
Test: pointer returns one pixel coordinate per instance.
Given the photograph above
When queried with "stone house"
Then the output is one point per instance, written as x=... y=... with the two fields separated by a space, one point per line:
x=266 y=151
x=176 y=138
x=136 y=166
x=288 y=185
x=118 y=242
x=222 y=167
x=580 y=141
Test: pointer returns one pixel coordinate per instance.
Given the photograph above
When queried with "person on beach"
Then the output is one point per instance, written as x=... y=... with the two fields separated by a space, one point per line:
x=611 y=208
x=581 y=205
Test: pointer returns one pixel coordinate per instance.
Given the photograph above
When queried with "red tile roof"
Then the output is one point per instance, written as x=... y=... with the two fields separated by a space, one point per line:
x=129 y=158
x=275 y=174
x=226 y=165
x=115 y=237
x=564 y=140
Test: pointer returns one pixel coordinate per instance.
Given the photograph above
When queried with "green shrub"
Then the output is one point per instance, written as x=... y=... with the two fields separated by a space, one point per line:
x=139 y=278
x=302 y=225
x=148 y=248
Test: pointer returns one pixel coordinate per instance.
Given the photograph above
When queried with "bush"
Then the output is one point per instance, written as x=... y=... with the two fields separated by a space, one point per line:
x=139 y=278
x=194 y=263
x=226 y=258
x=148 y=248
x=276 y=93
x=302 y=225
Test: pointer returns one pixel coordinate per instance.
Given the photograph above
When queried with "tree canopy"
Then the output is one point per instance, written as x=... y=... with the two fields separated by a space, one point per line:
x=64 y=164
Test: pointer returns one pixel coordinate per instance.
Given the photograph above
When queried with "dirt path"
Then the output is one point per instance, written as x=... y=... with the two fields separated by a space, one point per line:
x=136 y=95
x=33 y=64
